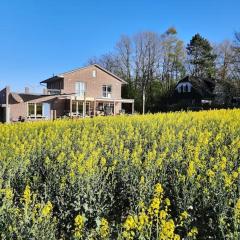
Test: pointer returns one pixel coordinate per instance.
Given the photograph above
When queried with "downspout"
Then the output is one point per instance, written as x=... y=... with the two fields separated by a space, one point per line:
x=7 y=113
x=84 y=105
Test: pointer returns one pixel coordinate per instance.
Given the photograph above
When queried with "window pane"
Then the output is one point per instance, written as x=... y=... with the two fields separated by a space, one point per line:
x=100 y=106
x=88 y=108
x=31 y=109
x=107 y=90
x=74 y=106
x=80 y=108
x=104 y=88
x=80 y=88
x=39 y=109
x=189 y=88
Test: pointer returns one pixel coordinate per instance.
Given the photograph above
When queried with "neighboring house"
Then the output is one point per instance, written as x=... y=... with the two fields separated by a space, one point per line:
x=196 y=92
x=87 y=91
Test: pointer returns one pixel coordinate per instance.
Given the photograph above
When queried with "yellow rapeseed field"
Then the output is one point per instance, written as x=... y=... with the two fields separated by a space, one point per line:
x=163 y=176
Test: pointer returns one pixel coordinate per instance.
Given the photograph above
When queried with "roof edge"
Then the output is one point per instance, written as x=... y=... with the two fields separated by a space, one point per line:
x=110 y=73
x=94 y=65
x=51 y=79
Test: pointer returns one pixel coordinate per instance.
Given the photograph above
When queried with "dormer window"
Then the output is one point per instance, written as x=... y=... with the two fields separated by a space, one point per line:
x=184 y=87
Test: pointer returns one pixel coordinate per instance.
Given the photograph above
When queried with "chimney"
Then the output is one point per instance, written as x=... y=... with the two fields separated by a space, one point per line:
x=27 y=90
x=45 y=91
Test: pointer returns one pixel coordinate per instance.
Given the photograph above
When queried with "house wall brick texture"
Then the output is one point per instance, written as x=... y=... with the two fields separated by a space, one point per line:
x=93 y=84
x=60 y=104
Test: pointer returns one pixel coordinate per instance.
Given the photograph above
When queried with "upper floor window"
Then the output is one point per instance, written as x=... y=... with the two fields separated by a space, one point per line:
x=94 y=73
x=80 y=88
x=107 y=91
x=184 y=87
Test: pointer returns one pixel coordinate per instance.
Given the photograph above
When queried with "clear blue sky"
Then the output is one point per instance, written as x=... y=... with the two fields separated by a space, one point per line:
x=42 y=37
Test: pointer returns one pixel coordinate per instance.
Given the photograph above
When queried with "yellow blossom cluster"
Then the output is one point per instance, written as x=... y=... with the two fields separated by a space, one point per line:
x=157 y=176
x=79 y=225
x=104 y=228
x=156 y=217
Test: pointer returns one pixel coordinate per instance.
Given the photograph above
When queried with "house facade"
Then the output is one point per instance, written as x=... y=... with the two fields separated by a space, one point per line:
x=199 y=92
x=194 y=91
x=84 y=92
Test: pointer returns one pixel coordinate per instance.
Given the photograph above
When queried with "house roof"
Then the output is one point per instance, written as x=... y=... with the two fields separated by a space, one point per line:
x=61 y=75
x=16 y=97
x=24 y=97
x=113 y=75
x=204 y=86
x=52 y=79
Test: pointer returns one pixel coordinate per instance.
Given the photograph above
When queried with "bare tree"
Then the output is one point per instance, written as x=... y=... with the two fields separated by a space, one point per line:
x=228 y=66
x=146 y=62
x=173 y=56
x=236 y=59
x=237 y=36
x=124 y=57
x=108 y=61
x=236 y=67
x=224 y=61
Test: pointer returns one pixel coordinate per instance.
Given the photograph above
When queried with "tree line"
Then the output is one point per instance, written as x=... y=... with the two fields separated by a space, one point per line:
x=152 y=63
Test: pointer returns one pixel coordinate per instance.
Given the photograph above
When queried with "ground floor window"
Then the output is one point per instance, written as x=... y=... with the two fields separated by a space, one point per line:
x=39 y=109
x=77 y=107
x=88 y=110
x=74 y=107
x=35 y=110
x=31 y=109
x=106 y=108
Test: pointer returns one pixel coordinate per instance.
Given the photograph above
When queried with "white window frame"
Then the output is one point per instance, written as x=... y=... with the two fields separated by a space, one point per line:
x=181 y=88
x=35 y=110
x=189 y=88
x=106 y=93
x=77 y=112
x=94 y=73
x=79 y=89
x=184 y=87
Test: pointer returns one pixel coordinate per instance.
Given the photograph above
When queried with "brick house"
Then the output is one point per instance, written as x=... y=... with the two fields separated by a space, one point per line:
x=83 y=92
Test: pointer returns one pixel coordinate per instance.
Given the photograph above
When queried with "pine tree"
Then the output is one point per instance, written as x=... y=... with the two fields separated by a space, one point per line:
x=201 y=58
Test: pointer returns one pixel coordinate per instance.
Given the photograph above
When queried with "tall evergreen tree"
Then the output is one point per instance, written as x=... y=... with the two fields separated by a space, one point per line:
x=201 y=58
